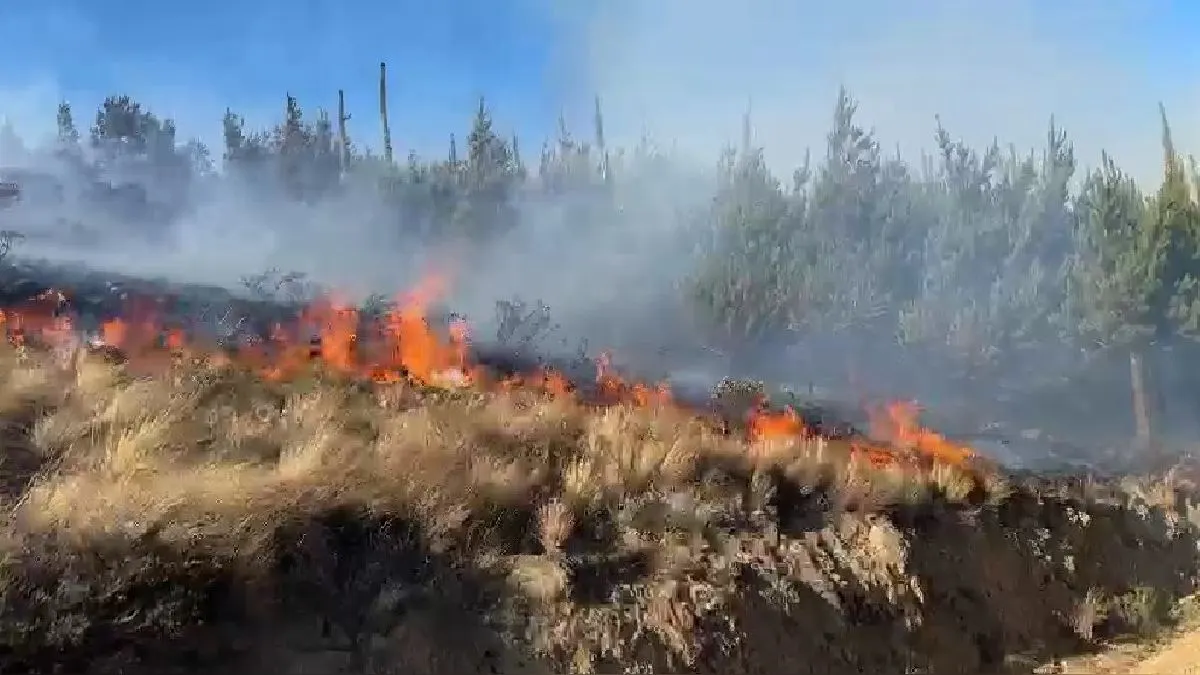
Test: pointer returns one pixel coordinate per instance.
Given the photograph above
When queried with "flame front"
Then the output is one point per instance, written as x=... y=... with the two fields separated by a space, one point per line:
x=764 y=424
x=897 y=423
x=403 y=346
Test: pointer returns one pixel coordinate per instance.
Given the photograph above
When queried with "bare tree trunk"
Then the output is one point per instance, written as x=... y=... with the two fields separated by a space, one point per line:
x=1141 y=403
x=383 y=114
x=343 y=143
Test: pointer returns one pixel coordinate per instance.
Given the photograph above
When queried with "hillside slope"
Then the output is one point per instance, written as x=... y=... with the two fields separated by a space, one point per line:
x=197 y=517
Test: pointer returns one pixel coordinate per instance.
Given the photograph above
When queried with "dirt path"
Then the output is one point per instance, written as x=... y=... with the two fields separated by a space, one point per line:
x=1177 y=654
x=1180 y=656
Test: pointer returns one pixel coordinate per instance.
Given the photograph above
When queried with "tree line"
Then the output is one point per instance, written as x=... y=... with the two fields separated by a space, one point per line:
x=982 y=256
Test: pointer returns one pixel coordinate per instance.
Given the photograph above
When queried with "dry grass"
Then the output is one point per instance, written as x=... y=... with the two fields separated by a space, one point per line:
x=320 y=489
x=214 y=448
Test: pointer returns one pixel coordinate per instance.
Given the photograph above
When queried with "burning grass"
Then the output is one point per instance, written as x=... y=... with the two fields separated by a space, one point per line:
x=372 y=496
x=392 y=417
x=212 y=460
x=214 y=443
x=402 y=346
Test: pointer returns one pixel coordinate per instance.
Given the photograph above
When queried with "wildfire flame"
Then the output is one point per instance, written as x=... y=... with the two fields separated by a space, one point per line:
x=763 y=424
x=897 y=423
x=403 y=346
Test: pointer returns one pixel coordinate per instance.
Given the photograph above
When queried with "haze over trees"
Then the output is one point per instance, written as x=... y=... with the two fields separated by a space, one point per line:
x=992 y=262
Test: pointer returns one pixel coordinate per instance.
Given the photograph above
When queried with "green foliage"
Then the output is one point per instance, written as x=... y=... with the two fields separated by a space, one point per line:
x=125 y=133
x=1115 y=273
x=859 y=227
x=1134 y=276
x=995 y=249
x=976 y=253
x=969 y=254
x=243 y=151
x=747 y=280
x=488 y=181
x=1175 y=224
x=67 y=134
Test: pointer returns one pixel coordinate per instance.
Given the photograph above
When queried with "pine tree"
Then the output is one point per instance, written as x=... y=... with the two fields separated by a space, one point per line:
x=1115 y=275
x=1175 y=218
x=1117 y=281
x=857 y=214
x=605 y=168
x=67 y=134
x=291 y=145
x=122 y=127
x=748 y=275
x=233 y=127
x=324 y=162
x=518 y=164
x=245 y=154
x=489 y=180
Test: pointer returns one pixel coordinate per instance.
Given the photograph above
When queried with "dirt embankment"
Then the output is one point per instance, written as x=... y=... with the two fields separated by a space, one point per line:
x=202 y=520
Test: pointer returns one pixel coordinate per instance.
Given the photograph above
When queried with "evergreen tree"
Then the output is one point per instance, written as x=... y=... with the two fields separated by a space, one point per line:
x=246 y=154
x=140 y=168
x=747 y=280
x=1115 y=275
x=325 y=167
x=996 y=251
x=67 y=135
x=1132 y=282
x=123 y=129
x=858 y=228
x=489 y=180
x=1175 y=219
x=291 y=144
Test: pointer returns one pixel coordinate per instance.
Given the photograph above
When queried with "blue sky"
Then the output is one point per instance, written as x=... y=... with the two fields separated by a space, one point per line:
x=441 y=57
x=681 y=67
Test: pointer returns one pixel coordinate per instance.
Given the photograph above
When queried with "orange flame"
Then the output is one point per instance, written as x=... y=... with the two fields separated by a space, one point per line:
x=402 y=345
x=613 y=389
x=763 y=424
x=897 y=423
